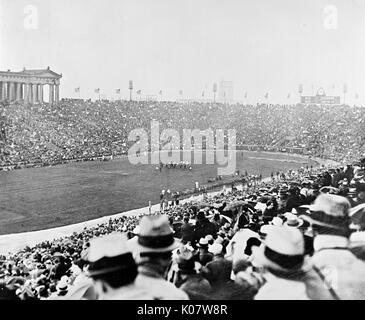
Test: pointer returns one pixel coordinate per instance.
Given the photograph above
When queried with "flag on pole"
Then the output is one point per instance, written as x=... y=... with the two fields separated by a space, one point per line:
x=97 y=90
x=117 y=91
x=77 y=89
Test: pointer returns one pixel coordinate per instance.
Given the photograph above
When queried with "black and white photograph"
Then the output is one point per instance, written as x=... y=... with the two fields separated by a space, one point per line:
x=200 y=151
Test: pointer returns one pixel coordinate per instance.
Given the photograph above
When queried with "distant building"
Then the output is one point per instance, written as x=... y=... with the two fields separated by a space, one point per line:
x=226 y=91
x=320 y=98
x=27 y=85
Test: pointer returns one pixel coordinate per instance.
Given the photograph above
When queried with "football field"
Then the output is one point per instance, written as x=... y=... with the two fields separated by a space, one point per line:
x=42 y=198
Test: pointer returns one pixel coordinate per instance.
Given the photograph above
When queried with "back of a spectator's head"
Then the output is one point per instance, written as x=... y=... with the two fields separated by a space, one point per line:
x=200 y=215
x=217 y=271
x=111 y=261
x=240 y=265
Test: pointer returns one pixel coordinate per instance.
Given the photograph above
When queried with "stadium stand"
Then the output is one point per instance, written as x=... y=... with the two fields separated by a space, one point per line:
x=277 y=239
x=71 y=130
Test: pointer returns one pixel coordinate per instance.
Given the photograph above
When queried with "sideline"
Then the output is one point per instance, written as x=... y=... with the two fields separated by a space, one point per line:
x=12 y=243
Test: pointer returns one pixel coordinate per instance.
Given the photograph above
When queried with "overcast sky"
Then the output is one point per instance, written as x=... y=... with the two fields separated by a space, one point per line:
x=171 y=45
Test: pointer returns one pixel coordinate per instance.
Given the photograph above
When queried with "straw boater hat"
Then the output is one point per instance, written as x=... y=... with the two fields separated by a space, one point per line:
x=108 y=254
x=292 y=220
x=283 y=250
x=203 y=243
x=330 y=211
x=155 y=235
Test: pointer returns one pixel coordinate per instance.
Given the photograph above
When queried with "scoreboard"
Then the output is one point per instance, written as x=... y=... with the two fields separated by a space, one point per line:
x=320 y=99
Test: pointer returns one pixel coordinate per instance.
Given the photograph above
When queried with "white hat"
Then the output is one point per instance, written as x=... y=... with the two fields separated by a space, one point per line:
x=62 y=285
x=109 y=246
x=293 y=221
x=203 y=242
x=283 y=249
x=110 y=253
x=331 y=211
x=155 y=235
x=215 y=248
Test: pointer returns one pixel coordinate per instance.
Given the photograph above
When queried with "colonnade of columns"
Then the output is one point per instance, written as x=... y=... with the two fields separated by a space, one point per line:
x=27 y=92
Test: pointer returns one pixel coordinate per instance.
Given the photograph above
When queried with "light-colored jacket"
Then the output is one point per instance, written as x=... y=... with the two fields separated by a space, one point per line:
x=236 y=247
x=129 y=292
x=343 y=271
x=159 y=288
x=304 y=284
x=277 y=288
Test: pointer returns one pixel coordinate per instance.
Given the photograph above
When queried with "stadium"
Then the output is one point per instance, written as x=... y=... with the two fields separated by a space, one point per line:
x=229 y=199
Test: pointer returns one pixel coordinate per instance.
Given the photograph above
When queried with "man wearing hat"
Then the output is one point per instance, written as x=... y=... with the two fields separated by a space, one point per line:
x=187 y=278
x=204 y=256
x=287 y=273
x=153 y=250
x=218 y=273
x=187 y=230
x=357 y=238
x=343 y=272
x=282 y=199
x=113 y=269
x=203 y=226
x=236 y=247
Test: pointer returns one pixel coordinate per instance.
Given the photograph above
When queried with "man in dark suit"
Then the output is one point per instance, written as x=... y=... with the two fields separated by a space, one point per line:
x=187 y=230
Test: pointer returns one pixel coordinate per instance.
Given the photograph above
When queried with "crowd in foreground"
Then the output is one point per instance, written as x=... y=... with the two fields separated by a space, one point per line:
x=75 y=130
x=297 y=236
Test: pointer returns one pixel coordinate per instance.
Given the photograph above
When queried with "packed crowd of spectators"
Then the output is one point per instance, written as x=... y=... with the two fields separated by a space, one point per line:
x=44 y=134
x=300 y=235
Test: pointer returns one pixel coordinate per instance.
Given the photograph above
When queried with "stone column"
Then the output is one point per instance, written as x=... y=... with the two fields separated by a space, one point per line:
x=18 y=92
x=51 y=93
x=40 y=93
x=27 y=93
x=22 y=85
x=5 y=91
x=34 y=93
x=11 y=91
x=57 y=93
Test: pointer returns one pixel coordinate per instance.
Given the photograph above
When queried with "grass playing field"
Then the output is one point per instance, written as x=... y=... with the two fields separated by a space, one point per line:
x=41 y=198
